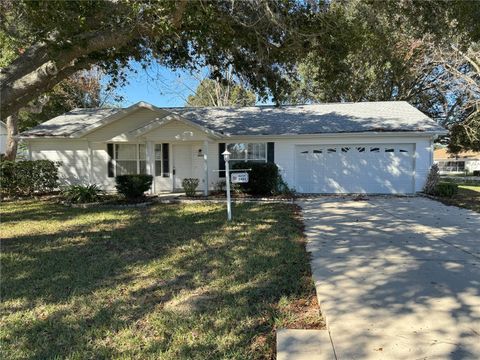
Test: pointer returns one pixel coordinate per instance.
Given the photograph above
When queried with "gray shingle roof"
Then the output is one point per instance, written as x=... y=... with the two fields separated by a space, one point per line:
x=70 y=122
x=388 y=116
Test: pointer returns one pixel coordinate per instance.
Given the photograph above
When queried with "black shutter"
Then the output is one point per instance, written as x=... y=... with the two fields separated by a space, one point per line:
x=221 y=162
x=271 y=152
x=110 y=171
x=165 y=163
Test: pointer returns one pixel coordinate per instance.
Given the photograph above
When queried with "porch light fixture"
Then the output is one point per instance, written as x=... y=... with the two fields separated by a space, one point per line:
x=226 y=156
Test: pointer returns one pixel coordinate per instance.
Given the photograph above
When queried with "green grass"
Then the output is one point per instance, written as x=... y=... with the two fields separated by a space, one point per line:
x=166 y=282
x=468 y=197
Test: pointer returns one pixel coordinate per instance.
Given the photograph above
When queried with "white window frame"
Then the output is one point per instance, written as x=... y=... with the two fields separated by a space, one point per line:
x=160 y=145
x=245 y=158
x=137 y=156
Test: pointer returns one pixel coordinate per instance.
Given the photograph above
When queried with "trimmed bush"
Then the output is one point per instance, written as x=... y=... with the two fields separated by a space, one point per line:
x=24 y=178
x=81 y=194
x=446 y=189
x=263 y=177
x=133 y=186
x=190 y=186
x=433 y=179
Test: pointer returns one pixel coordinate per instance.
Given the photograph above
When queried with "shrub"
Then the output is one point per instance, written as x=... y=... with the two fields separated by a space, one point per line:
x=476 y=172
x=432 y=181
x=284 y=189
x=133 y=186
x=81 y=194
x=24 y=178
x=263 y=177
x=190 y=186
x=220 y=186
x=446 y=189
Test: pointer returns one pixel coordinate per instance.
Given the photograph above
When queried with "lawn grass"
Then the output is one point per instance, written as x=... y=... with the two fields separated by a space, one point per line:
x=165 y=282
x=468 y=197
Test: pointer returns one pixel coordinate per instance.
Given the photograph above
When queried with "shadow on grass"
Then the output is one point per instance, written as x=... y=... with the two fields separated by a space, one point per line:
x=85 y=292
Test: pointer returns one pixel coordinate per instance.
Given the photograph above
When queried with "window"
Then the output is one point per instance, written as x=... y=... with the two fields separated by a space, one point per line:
x=158 y=159
x=125 y=159
x=248 y=152
x=317 y=151
x=451 y=166
x=361 y=149
x=345 y=149
x=130 y=159
x=389 y=150
x=331 y=150
x=142 y=158
x=375 y=149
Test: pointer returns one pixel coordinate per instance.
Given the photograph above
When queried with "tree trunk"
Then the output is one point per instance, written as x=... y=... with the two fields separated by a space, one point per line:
x=12 y=140
x=25 y=80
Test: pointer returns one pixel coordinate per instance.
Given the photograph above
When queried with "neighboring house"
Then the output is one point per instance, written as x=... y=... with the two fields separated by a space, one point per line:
x=3 y=137
x=464 y=162
x=370 y=147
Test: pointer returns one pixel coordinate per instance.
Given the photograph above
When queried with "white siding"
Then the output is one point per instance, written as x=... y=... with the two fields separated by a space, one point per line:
x=72 y=155
x=119 y=130
x=175 y=131
x=100 y=167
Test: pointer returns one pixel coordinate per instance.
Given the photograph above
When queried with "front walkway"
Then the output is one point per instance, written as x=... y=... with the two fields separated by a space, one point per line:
x=397 y=278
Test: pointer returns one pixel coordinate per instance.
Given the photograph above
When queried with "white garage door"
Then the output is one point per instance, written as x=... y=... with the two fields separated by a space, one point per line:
x=370 y=168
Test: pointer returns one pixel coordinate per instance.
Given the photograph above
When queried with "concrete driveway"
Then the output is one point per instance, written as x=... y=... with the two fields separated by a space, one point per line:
x=397 y=278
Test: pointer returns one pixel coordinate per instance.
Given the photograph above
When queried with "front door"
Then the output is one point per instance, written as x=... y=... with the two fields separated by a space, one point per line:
x=182 y=164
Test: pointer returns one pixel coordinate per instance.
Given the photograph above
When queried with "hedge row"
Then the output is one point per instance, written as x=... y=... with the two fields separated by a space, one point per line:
x=24 y=178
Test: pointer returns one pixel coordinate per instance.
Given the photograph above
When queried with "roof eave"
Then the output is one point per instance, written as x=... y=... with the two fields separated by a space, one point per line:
x=343 y=134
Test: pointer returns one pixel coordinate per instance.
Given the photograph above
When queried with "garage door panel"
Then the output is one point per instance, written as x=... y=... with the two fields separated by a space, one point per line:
x=368 y=168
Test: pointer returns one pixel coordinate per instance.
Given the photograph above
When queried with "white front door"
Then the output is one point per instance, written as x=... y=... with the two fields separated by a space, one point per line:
x=353 y=168
x=182 y=164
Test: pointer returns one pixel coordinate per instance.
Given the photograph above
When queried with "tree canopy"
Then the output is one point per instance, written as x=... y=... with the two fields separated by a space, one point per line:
x=224 y=91
x=343 y=50
x=54 y=39
x=81 y=90
x=376 y=52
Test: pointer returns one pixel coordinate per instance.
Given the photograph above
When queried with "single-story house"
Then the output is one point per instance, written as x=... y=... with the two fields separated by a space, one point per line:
x=367 y=147
x=463 y=162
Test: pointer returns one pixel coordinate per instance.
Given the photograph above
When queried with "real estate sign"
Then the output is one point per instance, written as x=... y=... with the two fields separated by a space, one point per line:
x=240 y=177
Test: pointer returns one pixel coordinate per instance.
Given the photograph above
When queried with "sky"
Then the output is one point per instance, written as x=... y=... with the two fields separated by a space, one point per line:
x=159 y=86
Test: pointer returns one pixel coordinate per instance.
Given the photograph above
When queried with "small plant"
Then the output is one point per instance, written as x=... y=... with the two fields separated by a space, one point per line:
x=237 y=189
x=81 y=194
x=133 y=186
x=446 y=189
x=476 y=172
x=432 y=181
x=190 y=186
x=220 y=186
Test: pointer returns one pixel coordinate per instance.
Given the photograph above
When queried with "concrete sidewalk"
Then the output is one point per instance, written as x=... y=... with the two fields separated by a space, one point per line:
x=397 y=278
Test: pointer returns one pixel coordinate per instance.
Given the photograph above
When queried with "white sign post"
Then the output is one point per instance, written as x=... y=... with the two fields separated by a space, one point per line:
x=226 y=157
